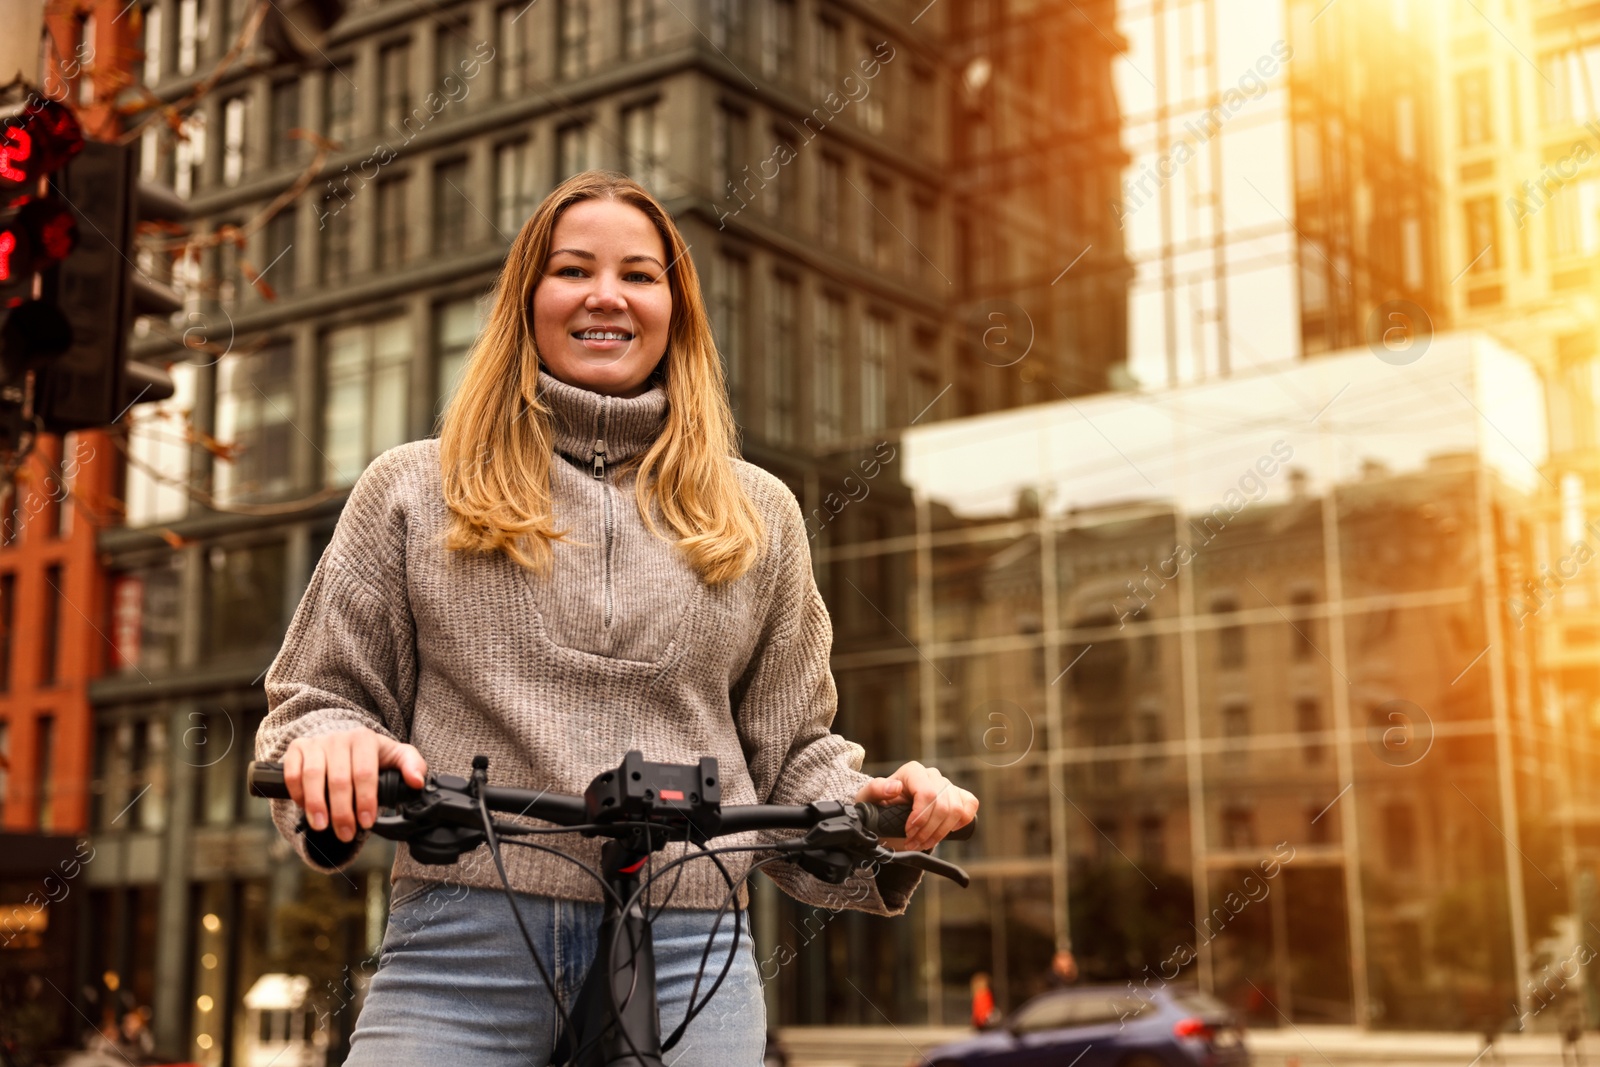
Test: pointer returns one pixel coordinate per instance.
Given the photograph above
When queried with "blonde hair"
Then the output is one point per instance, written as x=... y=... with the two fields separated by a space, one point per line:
x=496 y=441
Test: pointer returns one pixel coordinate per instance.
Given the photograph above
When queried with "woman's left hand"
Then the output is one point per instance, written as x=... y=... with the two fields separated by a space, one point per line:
x=938 y=805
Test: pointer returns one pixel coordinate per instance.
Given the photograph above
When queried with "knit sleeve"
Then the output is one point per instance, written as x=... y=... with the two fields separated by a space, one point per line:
x=349 y=657
x=785 y=705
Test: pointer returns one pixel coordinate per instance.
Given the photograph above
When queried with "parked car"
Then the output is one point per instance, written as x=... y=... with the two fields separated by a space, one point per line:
x=1106 y=1026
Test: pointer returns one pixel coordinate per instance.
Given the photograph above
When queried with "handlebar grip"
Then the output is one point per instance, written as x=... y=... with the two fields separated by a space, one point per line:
x=266 y=780
x=890 y=821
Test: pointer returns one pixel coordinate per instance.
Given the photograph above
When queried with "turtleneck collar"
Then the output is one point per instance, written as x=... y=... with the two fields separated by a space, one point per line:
x=585 y=422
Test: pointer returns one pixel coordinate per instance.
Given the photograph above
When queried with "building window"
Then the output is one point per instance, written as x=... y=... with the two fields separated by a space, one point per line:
x=1308 y=721
x=149 y=153
x=1482 y=235
x=923 y=238
x=1230 y=636
x=1399 y=837
x=229 y=277
x=641 y=26
x=235 y=139
x=514 y=54
x=875 y=331
x=1302 y=632
x=191 y=28
x=50 y=627
x=1107 y=828
x=727 y=154
x=338 y=230
x=394 y=89
x=1153 y=737
x=45 y=770
x=450 y=52
x=244 y=599
x=1319 y=826
x=130 y=774
x=189 y=154
x=158 y=441
x=393 y=194
x=1566 y=83
x=1405 y=127
x=1472 y=98
x=572 y=150
x=573 y=42
x=1575 y=219
x=727 y=23
x=339 y=103
x=233 y=15
x=778 y=35
x=450 y=206
x=285 y=117
x=1238 y=827
x=776 y=193
x=456 y=326
x=280 y=252
x=514 y=188
x=145 y=617
x=1235 y=732
x=366 y=394
x=876 y=249
x=829 y=387
x=825 y=58
x=830 y=195
x=923 y=110
x=1152 y=845
x=869 y=111
x=729 y=291
x=645 y=142
x=782 y=359
x=255 y=412
x=8 y=621
x=152 y=44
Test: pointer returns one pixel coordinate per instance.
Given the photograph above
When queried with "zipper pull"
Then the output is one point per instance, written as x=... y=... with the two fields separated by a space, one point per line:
x=599 y=457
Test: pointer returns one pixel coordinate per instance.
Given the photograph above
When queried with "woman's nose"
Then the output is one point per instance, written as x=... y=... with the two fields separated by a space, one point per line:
x=605 y=293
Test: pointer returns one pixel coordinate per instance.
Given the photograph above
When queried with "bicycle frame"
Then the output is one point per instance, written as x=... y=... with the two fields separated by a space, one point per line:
x=601 y=1038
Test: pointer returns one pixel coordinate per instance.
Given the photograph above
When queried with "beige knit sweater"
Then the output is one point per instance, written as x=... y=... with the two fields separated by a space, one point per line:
x=555 y=677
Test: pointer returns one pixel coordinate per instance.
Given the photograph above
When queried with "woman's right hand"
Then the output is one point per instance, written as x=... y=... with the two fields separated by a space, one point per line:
x=334 y=777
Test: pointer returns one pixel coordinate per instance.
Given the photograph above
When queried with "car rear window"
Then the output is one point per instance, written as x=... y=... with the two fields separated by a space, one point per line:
x=1201 y=1003
x=1061 y=1010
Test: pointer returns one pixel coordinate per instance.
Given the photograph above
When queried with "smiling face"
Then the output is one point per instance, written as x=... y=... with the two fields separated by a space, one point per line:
x=603 y=305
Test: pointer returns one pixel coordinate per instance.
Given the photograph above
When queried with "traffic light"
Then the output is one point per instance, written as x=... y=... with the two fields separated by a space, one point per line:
x=100 y=292
x=37 y=232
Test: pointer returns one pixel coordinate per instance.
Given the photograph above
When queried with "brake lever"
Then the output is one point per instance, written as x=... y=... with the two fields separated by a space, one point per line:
x=931 y=864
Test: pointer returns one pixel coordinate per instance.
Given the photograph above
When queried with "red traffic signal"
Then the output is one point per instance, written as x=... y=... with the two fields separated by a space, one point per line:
x=33 y=237
x=38 y=141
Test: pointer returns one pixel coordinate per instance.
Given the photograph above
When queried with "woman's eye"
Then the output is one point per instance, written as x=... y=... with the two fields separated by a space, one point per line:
x=563 y=272
x=640 y=276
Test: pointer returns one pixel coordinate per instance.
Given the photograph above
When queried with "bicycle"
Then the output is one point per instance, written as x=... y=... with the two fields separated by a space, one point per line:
x=640 y=807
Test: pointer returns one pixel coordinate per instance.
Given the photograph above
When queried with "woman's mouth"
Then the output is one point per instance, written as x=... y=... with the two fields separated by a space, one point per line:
x=602 y=339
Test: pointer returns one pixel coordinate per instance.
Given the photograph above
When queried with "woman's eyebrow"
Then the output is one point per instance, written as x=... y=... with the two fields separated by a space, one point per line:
x=581 y=254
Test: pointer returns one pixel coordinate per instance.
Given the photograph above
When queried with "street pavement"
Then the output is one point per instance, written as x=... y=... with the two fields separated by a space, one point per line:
x=1301 y=1046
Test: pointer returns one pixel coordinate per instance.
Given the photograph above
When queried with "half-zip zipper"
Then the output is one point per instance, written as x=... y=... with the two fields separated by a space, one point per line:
x=605 y=504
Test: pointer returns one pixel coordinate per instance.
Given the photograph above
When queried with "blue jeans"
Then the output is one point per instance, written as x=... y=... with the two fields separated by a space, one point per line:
x=455 y=982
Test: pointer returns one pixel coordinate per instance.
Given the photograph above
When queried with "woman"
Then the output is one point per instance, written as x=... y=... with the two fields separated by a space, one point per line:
x=578 y=566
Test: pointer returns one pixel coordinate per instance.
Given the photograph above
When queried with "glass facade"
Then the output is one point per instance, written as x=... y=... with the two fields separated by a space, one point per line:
x=1235 y=670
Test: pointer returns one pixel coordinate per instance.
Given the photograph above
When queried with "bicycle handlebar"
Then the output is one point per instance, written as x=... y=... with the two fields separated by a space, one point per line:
x=266 y=780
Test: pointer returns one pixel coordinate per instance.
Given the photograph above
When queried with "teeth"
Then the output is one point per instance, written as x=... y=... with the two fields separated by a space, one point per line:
x=604 y=335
